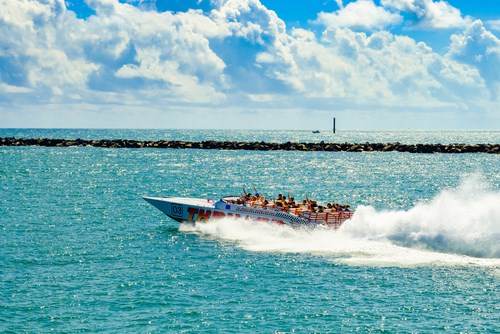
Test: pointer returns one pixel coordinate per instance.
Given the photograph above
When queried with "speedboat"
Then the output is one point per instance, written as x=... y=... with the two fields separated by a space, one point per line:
x=196 y=210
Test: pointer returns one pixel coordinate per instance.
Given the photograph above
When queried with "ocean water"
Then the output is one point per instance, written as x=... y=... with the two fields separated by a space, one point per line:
x=80 y=251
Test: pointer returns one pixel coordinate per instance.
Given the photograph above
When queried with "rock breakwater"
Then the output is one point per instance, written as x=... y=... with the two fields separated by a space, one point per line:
x=257 y=146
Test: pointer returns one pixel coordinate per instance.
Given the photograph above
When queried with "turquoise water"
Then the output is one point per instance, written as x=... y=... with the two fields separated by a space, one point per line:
x=80 y=251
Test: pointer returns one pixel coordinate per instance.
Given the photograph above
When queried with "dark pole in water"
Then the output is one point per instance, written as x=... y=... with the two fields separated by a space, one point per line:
x=334 y=125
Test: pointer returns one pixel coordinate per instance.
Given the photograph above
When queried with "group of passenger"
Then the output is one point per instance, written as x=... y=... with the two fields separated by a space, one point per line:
x=285 y=203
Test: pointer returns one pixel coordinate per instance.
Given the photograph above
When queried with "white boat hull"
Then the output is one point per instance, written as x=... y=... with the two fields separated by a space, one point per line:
x=203 y=210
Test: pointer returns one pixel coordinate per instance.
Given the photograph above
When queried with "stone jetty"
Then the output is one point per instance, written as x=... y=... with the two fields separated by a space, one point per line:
x=257 y=146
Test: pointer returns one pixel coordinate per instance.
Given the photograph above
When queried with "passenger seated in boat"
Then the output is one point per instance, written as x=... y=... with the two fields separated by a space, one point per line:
x=286 y=207
x=281 y=200
x=306 y=206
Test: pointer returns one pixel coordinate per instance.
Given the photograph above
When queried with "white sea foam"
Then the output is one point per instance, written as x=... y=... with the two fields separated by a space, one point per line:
x=458 y=226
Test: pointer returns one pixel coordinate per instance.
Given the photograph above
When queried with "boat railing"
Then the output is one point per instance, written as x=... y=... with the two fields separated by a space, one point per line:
x=335 y=218
x=329 y=218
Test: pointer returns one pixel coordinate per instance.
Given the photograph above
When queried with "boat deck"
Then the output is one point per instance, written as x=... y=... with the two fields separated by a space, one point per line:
x=208 y=203
x=326 y=216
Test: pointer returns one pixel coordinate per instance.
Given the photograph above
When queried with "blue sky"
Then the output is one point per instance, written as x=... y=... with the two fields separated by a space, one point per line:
x=250 y=64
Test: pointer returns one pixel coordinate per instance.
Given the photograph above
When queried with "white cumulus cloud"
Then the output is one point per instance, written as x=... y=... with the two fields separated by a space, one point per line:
x=361 y=14
x=119 y=49
x=494 y=24
x=379 y=69
x=480 y=49
x=430 y=14
x=238 y=56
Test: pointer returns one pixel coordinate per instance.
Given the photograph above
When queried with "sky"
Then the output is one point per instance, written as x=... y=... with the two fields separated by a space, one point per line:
x=250 y=64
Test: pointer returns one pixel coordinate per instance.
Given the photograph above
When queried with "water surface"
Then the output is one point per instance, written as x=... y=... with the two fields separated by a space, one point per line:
x=82 y=252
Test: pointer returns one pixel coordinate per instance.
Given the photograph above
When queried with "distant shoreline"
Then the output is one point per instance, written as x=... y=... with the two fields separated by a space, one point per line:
x=257 y=146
